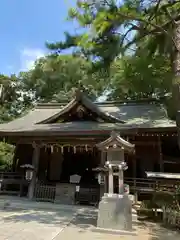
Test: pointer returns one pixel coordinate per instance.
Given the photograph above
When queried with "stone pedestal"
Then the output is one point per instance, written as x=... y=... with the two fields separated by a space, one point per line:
x=115 y=212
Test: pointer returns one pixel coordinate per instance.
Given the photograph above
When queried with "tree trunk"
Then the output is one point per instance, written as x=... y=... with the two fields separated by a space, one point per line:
x=175 y=106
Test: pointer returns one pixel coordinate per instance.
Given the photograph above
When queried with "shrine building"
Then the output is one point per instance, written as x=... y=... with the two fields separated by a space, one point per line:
x=60 y=140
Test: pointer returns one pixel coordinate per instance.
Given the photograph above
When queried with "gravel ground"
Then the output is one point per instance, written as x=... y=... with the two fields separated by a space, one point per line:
x=83 y=227
x=69 y=224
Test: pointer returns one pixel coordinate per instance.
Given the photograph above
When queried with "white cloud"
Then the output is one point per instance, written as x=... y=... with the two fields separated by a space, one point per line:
x=29 y=56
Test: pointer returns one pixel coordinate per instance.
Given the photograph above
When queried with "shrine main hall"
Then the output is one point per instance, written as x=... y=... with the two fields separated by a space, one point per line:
x=60 y=139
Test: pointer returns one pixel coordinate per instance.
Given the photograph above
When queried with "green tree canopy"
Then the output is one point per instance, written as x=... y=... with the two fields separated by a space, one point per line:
x=54 y=77
x=11 y=106
x=11 y=100
x=113 y=27
x=137 y=77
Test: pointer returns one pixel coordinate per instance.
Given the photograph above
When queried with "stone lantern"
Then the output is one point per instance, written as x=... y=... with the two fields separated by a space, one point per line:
x=115 y=210
x=115 y=147
x=29 y=170
x=29 y=174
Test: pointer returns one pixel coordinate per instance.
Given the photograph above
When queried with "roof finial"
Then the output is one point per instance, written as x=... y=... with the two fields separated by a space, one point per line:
x=77 y=93
x=114 y=134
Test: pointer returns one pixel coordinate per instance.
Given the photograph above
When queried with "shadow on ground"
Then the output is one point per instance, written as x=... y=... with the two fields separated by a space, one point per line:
x=83 y=218
x=41 y=217
x=156 y=231
x=84 y=221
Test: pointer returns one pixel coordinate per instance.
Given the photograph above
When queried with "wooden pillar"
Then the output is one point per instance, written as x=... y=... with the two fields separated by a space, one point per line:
x=161 y=162
x=134 y=167
x=14 y=165
x=35 y=163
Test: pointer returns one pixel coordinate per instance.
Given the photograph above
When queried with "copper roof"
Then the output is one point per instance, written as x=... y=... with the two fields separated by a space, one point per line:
x=116 y=116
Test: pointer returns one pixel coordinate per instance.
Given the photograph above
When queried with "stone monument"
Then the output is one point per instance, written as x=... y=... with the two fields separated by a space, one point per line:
x=115 y=210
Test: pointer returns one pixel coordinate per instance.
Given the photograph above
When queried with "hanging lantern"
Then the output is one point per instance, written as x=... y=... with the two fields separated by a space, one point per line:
x=62 y=149
x=101 y=178
x=29 y=169
x=86 y=147
x=29 y=174
x=74 y=148
x=52 y=149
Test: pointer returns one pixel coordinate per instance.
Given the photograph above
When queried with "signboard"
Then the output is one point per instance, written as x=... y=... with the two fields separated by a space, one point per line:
x=75 y=178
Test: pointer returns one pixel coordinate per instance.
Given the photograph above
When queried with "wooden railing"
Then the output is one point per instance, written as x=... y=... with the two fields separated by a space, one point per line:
x=10 y=175
x=141 y=184
x=47 y=193
x=12 y=183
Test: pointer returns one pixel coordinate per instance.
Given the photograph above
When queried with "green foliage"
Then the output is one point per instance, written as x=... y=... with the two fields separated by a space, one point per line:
x=163 y=198
x=99 y=43
x=6 y=156
x=55 y=77
x=138 y=77
x=136 y=27
x=12 y=105
x=111 y=27
x=131 y=77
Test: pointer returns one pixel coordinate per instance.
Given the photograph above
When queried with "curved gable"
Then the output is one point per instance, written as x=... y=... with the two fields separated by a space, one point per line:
x=81 y=108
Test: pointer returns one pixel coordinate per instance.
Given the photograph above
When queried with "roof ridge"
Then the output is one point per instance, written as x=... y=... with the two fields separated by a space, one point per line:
x=82 y=99
x=120 y=102
x=143 y=100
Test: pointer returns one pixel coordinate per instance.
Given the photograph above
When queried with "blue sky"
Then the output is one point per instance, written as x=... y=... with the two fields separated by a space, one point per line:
x=25 y=26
